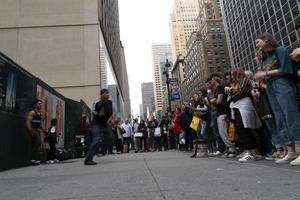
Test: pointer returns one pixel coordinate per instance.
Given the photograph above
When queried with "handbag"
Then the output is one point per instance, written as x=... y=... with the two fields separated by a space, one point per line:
x=157 y=132
x=181 y=138
x=232 y=134
x=196 y=124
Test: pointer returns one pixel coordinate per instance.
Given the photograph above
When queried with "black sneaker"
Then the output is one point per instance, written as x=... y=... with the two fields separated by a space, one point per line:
x=35 y=162
x=90 y=163
x=194 y=155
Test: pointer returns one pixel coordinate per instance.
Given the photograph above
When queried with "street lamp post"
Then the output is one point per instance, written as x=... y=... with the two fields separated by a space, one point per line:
x=166 y=73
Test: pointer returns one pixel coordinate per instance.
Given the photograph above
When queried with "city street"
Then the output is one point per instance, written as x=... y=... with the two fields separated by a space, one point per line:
x=152 y=176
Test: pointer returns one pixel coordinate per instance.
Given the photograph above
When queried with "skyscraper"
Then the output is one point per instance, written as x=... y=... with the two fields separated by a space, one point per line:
x=207 y=50
x=147 y=99
x=245 y=20
x=65 y=43
x=182 y=24
x=160 y=53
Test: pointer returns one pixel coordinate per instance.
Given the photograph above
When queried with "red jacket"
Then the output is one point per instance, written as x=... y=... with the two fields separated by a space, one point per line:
x=176 y=121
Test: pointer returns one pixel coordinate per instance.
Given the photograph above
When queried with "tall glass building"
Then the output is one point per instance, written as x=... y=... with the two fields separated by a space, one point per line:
x=245 y=19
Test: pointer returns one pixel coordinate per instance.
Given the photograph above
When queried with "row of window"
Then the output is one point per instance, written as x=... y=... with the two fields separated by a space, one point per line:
x=279 y=20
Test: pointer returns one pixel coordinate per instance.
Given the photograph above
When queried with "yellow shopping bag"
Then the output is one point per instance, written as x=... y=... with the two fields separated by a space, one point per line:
x=232 y=135
x=196 y=124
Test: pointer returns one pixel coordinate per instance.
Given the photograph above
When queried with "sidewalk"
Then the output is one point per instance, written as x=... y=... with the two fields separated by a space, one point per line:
x=152 y=176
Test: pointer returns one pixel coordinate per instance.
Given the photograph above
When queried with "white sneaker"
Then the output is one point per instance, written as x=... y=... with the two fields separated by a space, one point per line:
x=286 y=159
x=56 y=161
x=241 y=154
x=296 y=161
x=50 y=161
x=247 y=158
x=217 y=153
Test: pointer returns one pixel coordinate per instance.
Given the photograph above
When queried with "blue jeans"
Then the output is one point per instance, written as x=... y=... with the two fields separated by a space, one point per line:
x=276 y=140
x=204 y=128
x=98 y=130
x=282 y=97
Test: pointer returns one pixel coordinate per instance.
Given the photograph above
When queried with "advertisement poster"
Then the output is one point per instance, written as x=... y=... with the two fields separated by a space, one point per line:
x=3 y=79
x=52 y=107
x=10 y=101
x=16 y=89
x=174 y=89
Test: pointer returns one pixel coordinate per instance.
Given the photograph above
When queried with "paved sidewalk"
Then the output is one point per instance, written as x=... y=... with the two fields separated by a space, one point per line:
x=152 y=176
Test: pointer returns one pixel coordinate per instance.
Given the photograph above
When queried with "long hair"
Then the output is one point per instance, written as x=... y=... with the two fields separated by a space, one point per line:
x=271 y=42
x=237 y=76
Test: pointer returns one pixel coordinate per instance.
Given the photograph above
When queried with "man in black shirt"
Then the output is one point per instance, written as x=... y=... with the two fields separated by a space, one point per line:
x=102 y=112
x=220 y=101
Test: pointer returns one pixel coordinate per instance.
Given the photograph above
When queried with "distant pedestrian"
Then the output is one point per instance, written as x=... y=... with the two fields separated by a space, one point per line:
x=50 y=138
x=126 y=135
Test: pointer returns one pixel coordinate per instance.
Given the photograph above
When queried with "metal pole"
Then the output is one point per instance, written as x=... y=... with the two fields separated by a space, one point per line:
x=168 y=88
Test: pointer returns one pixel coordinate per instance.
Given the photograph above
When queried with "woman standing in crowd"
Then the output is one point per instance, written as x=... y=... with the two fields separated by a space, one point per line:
x=244 y=114
x=176 y=125
x=164 y=125
x=152 y=124
x=276 y=71
x=141 y=129
x=200 y=107
x=185 y=121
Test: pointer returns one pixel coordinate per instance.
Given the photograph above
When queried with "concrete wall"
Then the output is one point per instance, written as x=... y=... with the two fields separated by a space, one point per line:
x=57 y=40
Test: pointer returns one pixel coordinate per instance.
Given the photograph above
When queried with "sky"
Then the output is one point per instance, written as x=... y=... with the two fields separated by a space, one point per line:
x=142 y=23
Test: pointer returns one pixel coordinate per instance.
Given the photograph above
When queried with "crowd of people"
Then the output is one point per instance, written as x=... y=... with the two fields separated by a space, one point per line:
x=243 y=114
x=249 y=115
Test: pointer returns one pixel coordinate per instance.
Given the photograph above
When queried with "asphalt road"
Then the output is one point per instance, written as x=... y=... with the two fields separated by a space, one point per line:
x=153 y=176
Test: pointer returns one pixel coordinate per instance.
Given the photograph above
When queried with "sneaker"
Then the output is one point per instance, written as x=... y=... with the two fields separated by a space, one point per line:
x=241 y=154
x=275 y=155
x=258 y=157
x=225 y=154
x=217 y=153
x=56 y=161
x=201 y=155
x=35 y=162
x=296 y=161
x=90 y=163
x=271 y=156
x=286 y=159
x=247 y=158
x=194 y=155
x=231 y=155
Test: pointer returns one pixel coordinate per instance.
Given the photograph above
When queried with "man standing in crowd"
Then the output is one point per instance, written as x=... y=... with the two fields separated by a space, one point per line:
x=220 y=101
x=126 y=135
x=102 y=112
x=34 y=127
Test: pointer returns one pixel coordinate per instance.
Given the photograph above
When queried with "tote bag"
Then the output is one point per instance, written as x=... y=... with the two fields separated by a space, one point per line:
x=157 y=132
x=196 y=124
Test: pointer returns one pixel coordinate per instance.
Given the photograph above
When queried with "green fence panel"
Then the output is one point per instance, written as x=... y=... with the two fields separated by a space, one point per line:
x=14 y=143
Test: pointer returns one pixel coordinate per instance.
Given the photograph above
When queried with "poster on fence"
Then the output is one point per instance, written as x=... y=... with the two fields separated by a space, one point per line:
x=15 y=88
x=174 y=89
x=53 y=107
